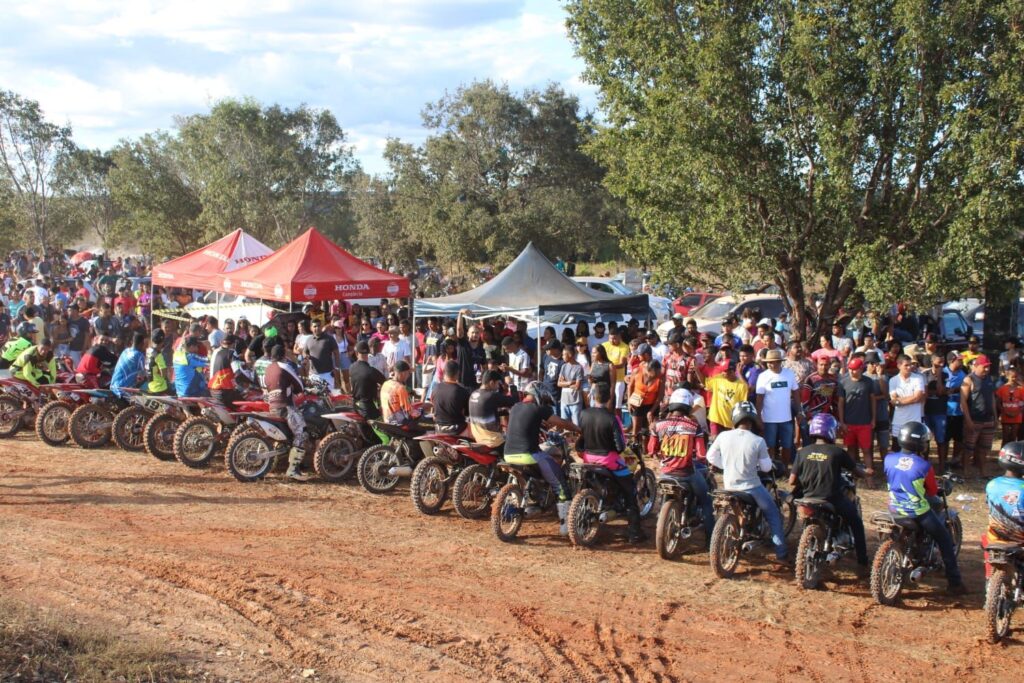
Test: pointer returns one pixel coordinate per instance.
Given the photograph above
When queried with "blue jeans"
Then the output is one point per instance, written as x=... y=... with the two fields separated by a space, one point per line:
x=571 y=413
x=936 y=528
x=937 y=426
x=779 y=434
x=699 y=484
x=773 y=517
x=552 y=473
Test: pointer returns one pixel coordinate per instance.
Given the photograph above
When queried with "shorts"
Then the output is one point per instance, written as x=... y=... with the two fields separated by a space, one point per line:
x=779 y=434
x=937 y=426
x=979 y=436
x=345 y=361
x=859 y=436
x=955 y=428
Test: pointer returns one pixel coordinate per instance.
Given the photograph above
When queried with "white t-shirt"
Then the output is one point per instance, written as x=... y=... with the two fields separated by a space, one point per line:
x=740 y=454
x=396 y=351
x=593 y=341
x=905 y=388
x=777 y=389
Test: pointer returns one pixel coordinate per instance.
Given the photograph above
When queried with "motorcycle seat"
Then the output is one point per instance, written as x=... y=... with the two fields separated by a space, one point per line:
x=600 y=470
x=909 y=523
x=816 y=502
x=515 y=467
x=1006 y=547
x=741 y=496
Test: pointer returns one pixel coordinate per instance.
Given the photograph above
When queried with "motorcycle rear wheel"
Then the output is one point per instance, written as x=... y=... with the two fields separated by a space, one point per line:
x=373 y=467
x=52 y=423
x=335 y=457
x=195 y=442
x=129 y=428
x=242 y=457
x=470 y=496
x=427 y=487
x=998 y=606
x=507 y=512
x=667 y=538
x=810 y=556
x=84 y=426
x=647 y=493
x=159 y=436
x=583 y=518
x=11 y=412
x=887 y=573
x=725 y=546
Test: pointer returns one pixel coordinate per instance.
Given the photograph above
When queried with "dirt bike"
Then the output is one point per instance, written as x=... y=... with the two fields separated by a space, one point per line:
x=202 y=436
x=680 y=513
x=53 y=418
x=741 y=527
x=338 y=453
x=598 y=498
x=1004 y=591
x=254 y=448
x=908 y=551
x=393 y=456
x=526 y=493
x=149 y=422
x=826 y=536
x=91 y=423
x=21 y=401
x=434 y=475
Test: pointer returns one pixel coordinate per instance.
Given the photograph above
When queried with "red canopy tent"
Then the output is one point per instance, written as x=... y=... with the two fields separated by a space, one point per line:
x=313 y=268
x=205 y=268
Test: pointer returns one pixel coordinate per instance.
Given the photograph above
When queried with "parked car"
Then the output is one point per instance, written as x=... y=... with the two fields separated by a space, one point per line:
x=660 y=306
x=691 y=301
x=562 y=321
x=709 y=316
x=953 y=330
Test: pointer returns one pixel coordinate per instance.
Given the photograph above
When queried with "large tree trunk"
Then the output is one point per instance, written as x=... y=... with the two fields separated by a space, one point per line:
x=791 y=283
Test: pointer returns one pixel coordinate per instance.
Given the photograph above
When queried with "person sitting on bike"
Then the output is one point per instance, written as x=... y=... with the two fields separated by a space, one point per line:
x=222 y=386
x=602 y=444
x=188 y=380
x=395 y=406
x=366 y=383
x=1005 y=497
x=15 y=347
x=484 y=404
x=741 y=454
x=677 y=440
x=815 y=474
x=451 y=402
x=913 y=491
x=36 y=364
x=526 y=420
x=283 y=385
x=130 y=370
x=97 y=359
x=156 y=365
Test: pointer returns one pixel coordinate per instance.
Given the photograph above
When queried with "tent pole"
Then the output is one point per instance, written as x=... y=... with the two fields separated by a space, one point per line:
x=539 y=351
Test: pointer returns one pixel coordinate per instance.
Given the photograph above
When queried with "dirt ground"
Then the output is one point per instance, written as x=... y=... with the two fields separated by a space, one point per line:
x=277 y=582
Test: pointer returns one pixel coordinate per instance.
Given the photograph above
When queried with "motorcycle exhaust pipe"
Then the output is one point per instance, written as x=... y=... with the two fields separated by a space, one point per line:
x=750 y=545
x=833 y=557
x=607 y=516
x=916 y=575
x=400 y=471
x=270 y=454
x=685 y=532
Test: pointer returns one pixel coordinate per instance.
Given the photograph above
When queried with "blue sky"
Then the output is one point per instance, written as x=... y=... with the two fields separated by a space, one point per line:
x=118 y=69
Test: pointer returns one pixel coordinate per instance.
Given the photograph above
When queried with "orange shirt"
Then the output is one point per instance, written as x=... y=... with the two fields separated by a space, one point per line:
x=1012 y=401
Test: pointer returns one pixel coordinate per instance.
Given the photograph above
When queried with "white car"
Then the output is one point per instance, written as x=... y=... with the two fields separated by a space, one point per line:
x=660 y=306
x=709 y=316
x=563 y=321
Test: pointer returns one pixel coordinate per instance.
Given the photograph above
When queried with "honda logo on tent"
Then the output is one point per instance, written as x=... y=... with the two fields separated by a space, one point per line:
x=393 y=289
x=278 y=290
x=227 y=285
x=309 y=290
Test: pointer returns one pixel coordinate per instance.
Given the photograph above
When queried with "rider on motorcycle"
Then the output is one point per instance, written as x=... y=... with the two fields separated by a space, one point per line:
x=451 y=402
x=913 y=491
x=394 y=398
x=156 y=364
x=1005 y=496
x=15 y=347
x=130 y=369
x=222 y=374
x=282 y=385
x=522 y=444
x=601 y=444
x=366 y=382
x=187 y=364
x=94 y=361
x=815 y=474
x=741 y=453
x=484 y=404
x=677 y=441
x=36 y=364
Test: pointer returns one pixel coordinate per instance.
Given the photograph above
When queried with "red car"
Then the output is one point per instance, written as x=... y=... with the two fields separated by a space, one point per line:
x=691 y=301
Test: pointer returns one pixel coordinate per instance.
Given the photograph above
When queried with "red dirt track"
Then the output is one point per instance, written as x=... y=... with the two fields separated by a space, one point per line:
x=262 y=581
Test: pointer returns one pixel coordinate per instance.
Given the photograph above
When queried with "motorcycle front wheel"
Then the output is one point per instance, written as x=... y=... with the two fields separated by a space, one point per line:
x=725 y=546
x=507 y=512
x=998 y=606
x=667 y=535
x=810 y=556
x=887 y=573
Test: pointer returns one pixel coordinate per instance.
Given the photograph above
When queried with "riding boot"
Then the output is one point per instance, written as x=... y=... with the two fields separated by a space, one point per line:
x=563 y=515
x=635 y=532
x=295 y=456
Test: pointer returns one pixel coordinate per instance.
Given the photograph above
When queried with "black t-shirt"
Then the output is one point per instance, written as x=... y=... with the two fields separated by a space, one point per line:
x=933 y=403
x=79 y=330
x=451 y=404
x=525 y=421
x=601 y=432
x=817 y=469
x=484 y=405
x=366 y=382
x=321 y=352
x=858 y=395
x=256 y=345
x=470 y=362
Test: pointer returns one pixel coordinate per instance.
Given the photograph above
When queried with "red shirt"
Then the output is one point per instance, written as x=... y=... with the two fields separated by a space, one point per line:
x=127 y=303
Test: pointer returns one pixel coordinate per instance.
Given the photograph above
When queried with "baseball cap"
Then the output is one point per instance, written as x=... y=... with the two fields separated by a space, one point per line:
x=856 y=364
x=363 y=347
x=765 y=322
x=553 y=345
x=641 y=349
x=677 y=316
x=952 y=356
x=869 y=333
x=982 y=360
x=872 y=357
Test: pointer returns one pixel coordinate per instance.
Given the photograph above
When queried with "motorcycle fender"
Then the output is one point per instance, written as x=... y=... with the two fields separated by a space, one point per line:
x=269 y=430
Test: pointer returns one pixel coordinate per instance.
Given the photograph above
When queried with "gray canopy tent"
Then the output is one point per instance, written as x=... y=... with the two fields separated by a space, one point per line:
x=529 y=288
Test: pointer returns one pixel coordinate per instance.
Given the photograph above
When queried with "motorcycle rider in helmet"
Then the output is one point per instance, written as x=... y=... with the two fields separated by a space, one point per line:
x=1005 y=497
x=522 y=441
x=36 y=364
x=602 y=444
x=815 y=474
x=912 y=485
x=282 y=384
x=677 y=440
x=15 y=347
x=741 y=453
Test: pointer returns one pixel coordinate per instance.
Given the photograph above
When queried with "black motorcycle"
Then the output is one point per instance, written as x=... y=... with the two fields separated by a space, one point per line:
x=1004 y=592
x=680 y=513
x=908 y=552
x=599 y=499
x=826 y=536
x=526 y=493
x=741 y=527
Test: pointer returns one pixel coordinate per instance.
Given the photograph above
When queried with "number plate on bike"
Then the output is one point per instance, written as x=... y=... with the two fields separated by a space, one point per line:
x=153 y=405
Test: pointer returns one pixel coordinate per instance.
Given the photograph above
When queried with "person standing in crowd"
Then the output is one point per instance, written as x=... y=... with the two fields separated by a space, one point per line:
x=1010 y=402
x=376 y=358
x=855 y=408
x=796 y=363
x=778 y=404
x=954 y=413
x=935 y=418
x=550 y=368
x=978 y=402
x=727 y=391
x=214 y=335
x=519 y=372
x=323 y=355
x=396 y=350
x=748 y=369
x=570 y=381
x=346 y=344
x=907 y=394
x=366 y=383
x=617 y=355
x=471 y=355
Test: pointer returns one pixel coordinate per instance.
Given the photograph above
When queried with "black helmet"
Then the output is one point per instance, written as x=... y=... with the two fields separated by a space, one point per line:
x=1011 y=456
x=746 y=411
x=27 y=330
x=541 y=394
x=914 y=438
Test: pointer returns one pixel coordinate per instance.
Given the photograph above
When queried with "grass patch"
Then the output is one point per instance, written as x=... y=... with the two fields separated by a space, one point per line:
x=47 y=646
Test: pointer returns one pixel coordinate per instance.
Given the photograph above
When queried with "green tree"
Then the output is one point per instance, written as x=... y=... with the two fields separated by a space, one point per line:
x=32 y=152
x=380 y=231
x=270 y=170
x=86 y=190
x=847 y=145
x=157 y=208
